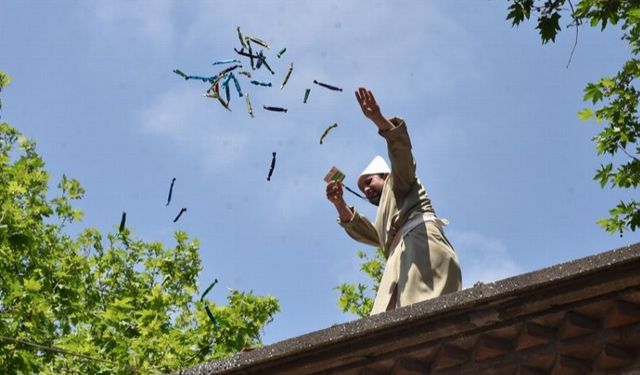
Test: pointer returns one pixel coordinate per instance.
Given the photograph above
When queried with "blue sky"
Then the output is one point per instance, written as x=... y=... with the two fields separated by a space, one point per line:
x=491 y=113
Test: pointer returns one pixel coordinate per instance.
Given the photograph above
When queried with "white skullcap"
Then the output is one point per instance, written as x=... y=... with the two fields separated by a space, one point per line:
x=377 y=165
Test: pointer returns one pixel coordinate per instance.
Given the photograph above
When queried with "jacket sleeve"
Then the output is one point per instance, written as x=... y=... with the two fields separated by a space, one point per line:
x=403 y=165
x=360 y=229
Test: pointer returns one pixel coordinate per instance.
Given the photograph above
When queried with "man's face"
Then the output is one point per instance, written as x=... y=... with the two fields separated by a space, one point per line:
x=372 y=187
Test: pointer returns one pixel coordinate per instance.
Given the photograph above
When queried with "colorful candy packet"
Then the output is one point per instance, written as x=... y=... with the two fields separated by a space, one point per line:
x=274 y=109
x=286 y=78
x=183 y=210
x=335 y=174
x=260 y=83
x=170 y=191
x=206 y=305
x=330 y=87
x=229 y=61
x=327 y=130
x=273 y=165
x=249 y=107
x=257 y=41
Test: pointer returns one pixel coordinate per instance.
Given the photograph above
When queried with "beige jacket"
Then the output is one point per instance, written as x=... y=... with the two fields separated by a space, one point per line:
x=422 y=264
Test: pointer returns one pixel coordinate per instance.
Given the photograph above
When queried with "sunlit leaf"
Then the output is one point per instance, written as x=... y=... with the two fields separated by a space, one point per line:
x=586 y=114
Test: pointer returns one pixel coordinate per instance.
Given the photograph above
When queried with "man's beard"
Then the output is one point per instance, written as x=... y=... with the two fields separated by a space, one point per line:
x=375 y=200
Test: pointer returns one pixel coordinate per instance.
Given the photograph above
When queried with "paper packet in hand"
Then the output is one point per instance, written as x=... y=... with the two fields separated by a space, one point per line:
x=334 y=175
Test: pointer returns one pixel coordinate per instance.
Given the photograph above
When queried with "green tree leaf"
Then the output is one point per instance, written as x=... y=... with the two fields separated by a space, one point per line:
x=519 y=11
x=549 y=27
x=586 y=114
x=5 y=80
x=31 y=285
x=97 y=304
x=358 y=298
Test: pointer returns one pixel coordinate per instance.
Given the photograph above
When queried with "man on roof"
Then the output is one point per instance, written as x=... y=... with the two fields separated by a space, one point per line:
x=421 y=263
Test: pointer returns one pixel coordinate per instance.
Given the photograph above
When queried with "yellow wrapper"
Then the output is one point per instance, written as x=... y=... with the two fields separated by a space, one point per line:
x=334 y=175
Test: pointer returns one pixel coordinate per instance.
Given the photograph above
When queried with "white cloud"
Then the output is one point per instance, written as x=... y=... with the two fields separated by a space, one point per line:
x=184 y=117
x=482 y=258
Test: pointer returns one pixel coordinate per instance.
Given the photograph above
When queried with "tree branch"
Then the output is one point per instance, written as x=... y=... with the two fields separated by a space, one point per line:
x=627 y=153
x=576 y=23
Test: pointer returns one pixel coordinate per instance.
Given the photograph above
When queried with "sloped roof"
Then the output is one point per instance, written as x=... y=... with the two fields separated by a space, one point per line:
x=577 y=317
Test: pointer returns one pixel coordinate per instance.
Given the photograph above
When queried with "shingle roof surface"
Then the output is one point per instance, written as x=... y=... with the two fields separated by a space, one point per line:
x=578 y=317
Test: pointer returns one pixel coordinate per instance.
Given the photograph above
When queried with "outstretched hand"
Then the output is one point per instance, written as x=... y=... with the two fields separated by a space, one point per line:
x=371 y=109
x=368 y=104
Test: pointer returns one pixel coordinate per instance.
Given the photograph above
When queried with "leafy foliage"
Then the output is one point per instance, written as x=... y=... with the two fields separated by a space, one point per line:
x=357 y=298
x=100 y=304
x=4 y=81
x=615 y=98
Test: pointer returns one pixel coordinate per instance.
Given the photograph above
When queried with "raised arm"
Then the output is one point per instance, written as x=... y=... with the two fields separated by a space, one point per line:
x=403 y=167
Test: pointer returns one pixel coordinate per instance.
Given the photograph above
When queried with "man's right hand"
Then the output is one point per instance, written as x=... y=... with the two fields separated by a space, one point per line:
x=335 y=192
